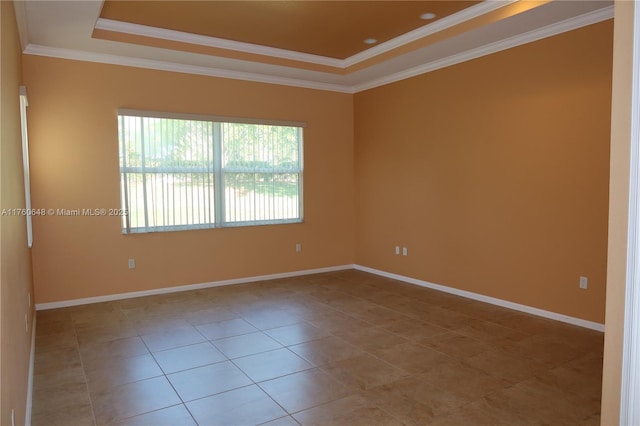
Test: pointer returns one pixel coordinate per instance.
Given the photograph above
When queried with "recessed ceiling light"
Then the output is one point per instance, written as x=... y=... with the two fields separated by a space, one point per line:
x=370 y=41
x=427 y=16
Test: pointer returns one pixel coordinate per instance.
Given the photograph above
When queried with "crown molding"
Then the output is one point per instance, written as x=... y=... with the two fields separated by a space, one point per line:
x=180 y=36
x=426 y=30
x=21 y=21
x=528 y=37
x=105 y=58
x=220 y=43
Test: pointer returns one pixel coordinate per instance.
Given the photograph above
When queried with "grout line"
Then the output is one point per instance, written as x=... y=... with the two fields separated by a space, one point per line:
x=84 y=372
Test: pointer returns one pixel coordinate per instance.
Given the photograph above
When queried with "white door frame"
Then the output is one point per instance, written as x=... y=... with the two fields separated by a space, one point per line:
x=630 y=392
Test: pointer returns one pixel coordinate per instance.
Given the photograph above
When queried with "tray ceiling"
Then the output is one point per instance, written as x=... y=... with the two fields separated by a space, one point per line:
x=316 y=44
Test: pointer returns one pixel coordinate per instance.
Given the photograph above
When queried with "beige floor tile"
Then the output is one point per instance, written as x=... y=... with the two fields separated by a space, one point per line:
x=94 y=354
x=61 y=397
x=371 y=339
x=79 y=414
x=576 y=379
x=58 y=377
x=505 y=365
x=105 y=333
x=208 y=380
x=456 y=345
x=246 y=344
x=45 y=327
x=271 y=319
x=582 y=339
x=491 y=332
x=351 y=304
x=303 y=390
x=420 y=311
x=326 y=350
x=479 y=413
x=152 y=313
x=209 y=315
x=526 y=323
x=435 y=393
x=496 y=314
x=159 y=324
x=177 y=415
x=119 y=371
x=549 y=349
x=61 y=340
x=57 y=359
x=54 y=315
x=413 y=357
x=89 y=319
x=462 y=381
x=227 y=328
x=404 y=407
x=133 y=399
x=282 y=421
x=533 y=399
x=296 y=333
x=376 y=315
x=184 y=307
x=444 y=318
x=412 y=329
x=173 y=338
x=352 y=410
x=271 y=364
x=186 y=357
x=244 y=406
x=338 y=323
x=363 y=372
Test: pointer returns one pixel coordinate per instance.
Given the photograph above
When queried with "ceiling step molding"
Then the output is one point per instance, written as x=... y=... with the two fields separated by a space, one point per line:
x=508 y=43
x=514 y=41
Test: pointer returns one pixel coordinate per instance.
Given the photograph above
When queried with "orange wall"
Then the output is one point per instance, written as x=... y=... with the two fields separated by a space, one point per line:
x=74 y=150
x=15 y=257
x=494 y=174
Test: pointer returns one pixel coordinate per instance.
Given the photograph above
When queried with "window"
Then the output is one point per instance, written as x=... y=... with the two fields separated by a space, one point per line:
x=189 y=172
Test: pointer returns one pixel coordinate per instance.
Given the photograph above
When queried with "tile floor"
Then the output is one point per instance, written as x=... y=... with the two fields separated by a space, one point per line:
x=342 y=348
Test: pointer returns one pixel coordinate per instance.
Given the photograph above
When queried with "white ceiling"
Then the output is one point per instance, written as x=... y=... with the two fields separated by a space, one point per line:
x=63 y=29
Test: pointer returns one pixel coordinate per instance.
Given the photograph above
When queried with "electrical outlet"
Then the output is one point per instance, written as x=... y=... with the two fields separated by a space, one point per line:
x=405 y=252
x=132 y=264
x=397 y=249
x=584 y=283
x=298 y=248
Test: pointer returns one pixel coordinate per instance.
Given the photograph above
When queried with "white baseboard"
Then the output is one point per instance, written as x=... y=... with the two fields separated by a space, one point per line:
x=32 y=359
x=463 y=293
x=166 y=290
x=487 y=299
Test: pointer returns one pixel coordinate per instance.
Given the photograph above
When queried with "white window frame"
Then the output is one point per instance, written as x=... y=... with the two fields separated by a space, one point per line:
x=219 y=220
x=24 y=103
